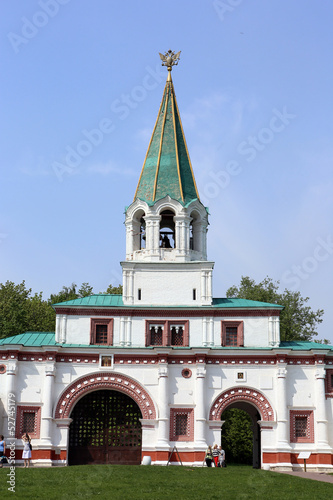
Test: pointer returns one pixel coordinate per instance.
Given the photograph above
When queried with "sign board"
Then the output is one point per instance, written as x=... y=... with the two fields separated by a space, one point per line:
x=304 y=454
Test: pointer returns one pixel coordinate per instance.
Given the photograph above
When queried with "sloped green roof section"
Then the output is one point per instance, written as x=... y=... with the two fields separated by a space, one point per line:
x=167 y=168
x=44 y=339
x=110 y=300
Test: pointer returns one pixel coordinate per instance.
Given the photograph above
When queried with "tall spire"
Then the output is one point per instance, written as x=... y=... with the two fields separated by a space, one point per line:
x=167 y=168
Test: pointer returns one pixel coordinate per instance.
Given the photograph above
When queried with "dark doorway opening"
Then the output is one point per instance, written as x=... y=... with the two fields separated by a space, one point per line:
x=105 y=430
x=241 y=434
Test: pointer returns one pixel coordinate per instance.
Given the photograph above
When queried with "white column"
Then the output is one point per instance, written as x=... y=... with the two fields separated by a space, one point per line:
x=211 y=332
x=128 y=331
x=204 y=332
x=129 y=239
x=164 y=411
x=63 y=329
x=122 y=332
x=46 y=420
x=281 y=407
x=200 y=414
x=321 y=430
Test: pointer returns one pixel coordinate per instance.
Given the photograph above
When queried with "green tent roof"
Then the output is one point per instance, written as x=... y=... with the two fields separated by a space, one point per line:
x=111 y=300
x=167 y=168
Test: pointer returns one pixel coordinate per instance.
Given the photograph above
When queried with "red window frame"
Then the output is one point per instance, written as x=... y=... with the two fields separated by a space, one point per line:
x=308 y=414
x=240 y=332
x=329 y=383
x=189 y=412
x=101 y=321
x=166 y=332
x=20 y=411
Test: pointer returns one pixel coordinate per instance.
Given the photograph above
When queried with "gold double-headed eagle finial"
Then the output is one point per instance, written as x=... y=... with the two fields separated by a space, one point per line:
x=170 y=59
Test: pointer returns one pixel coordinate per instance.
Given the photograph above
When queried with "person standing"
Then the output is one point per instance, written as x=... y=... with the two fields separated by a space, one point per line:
x=26 y=455
x=216 y=454
x=221 y=457
x=209 y=456
x=2 y=448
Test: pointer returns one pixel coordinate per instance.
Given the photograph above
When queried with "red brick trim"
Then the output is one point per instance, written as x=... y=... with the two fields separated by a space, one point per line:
x=329 y=383
x=169 y=313
x=3 y=369
x=314 y=459
x=185 y=456
x=189 y=412
x=166 y=327
x=240 y=332
x=20 y=410
x=256 y=398
x=99 y=321
x=309 y=426
x=105 y=380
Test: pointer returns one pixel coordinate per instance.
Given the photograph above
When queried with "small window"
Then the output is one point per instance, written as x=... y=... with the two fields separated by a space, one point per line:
x=106 y=361
x=167 y=333
x=181 y=424
x=101 y=331
x=101 y=334
x=177 y=335
x=139 y=293
x=301 y=426
x=28 y=422
x=232 y=334
x=156 y=335
x=194 y=294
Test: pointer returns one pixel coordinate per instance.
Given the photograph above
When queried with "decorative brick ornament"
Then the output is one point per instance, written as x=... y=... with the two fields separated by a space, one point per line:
x=105 y=380
x=234 y=394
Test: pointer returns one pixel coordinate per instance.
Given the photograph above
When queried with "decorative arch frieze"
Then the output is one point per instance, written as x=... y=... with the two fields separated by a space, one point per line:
x=105 y=380
x=245 y=394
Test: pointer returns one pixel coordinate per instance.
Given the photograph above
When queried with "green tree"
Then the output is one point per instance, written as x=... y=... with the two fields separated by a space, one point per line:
x=71 y=293
x=297 y=320
x=237 y=436
x=115 y=290
x=21 y=312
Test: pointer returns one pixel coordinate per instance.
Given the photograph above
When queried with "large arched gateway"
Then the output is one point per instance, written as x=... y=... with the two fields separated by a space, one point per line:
x=106 y=428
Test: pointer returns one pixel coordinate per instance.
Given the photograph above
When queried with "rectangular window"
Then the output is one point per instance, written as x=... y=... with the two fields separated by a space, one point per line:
x=194 y=294
x=167 y=333
x=301 y=426
x=329 y=383
x=101 y=331
x=101 y=334
x=232 y=333
x=28 y=420
x=139 y=293
x=181 y=424
x=231 y=336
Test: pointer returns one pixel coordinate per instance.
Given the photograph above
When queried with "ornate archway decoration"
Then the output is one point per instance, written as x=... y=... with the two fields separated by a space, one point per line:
x=245 y=394
x=105 y=380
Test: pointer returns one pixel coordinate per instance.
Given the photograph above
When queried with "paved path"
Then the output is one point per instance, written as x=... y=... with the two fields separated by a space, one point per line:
x=317 y=476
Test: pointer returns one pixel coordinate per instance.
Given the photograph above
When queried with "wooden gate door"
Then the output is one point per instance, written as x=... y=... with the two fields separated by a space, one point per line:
x=105 y=430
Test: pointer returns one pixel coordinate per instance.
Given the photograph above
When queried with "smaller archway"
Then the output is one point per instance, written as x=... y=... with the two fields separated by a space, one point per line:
x=240 y=436
x=167 y=229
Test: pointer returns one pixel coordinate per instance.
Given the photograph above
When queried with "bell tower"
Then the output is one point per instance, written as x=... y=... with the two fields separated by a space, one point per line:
x=166 y=225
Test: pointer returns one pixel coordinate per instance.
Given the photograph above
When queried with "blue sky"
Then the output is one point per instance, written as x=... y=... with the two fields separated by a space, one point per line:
x=80 y=89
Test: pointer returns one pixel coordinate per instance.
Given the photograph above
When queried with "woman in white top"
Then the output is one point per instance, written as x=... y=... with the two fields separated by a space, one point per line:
x=26 y=455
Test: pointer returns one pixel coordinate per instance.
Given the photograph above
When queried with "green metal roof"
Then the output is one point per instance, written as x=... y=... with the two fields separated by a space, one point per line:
x=41 y=339
x=111 y=300
x=167 y=168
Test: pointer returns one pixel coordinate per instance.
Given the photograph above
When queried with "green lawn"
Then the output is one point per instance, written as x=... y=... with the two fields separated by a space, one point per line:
x=159 y=483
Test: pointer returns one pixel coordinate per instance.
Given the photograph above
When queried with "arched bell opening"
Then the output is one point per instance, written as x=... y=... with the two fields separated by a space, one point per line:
x=195 y=231
x=139 y=230
x=167 y=229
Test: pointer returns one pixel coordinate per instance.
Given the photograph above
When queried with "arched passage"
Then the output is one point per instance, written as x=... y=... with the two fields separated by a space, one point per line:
x=254 y=403
x=105 y=429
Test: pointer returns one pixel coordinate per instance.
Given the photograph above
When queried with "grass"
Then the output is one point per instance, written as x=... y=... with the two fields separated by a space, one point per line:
x=159 y=483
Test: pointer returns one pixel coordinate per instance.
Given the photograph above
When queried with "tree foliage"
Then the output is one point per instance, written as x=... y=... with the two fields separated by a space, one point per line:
x=20 y=311
x=237 y=436
x=297 y=320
